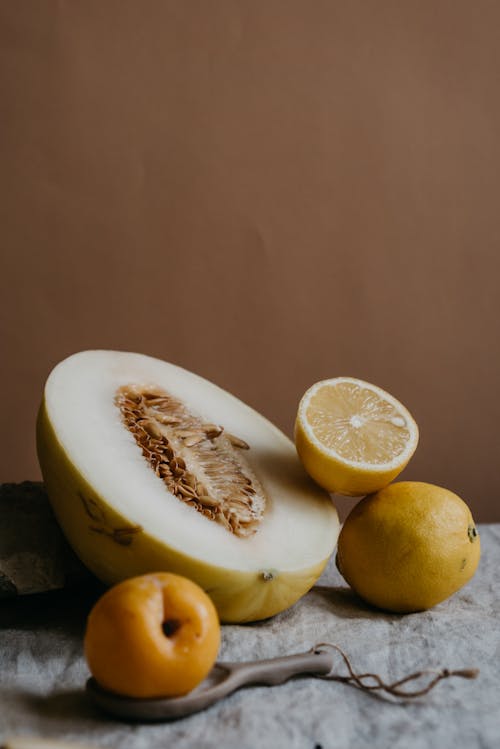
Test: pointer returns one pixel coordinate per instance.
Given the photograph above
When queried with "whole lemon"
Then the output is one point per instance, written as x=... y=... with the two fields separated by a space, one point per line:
x=408 y=546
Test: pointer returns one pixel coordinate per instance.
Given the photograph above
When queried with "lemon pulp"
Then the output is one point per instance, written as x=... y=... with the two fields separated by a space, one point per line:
x=353 y=437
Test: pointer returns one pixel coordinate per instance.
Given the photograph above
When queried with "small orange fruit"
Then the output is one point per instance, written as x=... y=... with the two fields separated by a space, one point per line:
x=156 y=635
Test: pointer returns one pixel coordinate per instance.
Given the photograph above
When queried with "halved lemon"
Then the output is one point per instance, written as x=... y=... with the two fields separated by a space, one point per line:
x=353 y=438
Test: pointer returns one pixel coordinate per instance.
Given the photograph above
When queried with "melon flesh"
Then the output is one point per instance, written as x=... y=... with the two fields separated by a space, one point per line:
x=122 y=520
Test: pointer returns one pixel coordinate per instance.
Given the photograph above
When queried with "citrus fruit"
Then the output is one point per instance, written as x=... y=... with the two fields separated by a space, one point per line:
x=353 y=438
x=408 y=547
x=156 y=635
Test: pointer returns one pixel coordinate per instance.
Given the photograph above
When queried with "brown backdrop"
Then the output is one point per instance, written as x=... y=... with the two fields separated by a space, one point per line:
x=268 y=193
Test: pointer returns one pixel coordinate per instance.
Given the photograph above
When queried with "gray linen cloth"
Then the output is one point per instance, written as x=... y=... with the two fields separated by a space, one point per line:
x=43 y=673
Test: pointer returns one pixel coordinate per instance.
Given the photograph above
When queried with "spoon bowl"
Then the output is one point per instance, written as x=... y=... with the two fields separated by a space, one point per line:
x=223 y=679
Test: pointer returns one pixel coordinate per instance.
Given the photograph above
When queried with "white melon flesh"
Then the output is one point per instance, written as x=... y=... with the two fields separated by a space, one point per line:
x=122 y=520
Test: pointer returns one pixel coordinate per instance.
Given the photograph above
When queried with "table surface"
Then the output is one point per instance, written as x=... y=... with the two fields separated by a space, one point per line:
x=43 y=673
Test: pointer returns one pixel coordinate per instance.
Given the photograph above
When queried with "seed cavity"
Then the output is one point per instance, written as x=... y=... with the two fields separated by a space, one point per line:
x=199 y=462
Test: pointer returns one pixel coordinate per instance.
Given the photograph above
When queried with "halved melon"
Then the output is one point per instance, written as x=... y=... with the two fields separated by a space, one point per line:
x=150 y=467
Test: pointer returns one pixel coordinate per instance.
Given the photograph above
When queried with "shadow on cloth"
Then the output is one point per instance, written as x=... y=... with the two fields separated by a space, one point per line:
x=64 y=705
x=48 y=610
x=344 y=603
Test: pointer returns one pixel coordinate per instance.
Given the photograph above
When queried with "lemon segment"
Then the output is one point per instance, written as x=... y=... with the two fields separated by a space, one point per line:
x=352 y=437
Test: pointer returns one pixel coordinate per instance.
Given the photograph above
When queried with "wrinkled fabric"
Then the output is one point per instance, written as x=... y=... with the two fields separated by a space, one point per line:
x=34 y=555
x=43 y=673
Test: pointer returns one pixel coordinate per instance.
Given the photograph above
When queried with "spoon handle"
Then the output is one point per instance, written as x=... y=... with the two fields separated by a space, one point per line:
x=278 y=670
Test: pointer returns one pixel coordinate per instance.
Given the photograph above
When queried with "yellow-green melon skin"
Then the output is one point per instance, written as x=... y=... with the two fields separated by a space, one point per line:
x=114 y=549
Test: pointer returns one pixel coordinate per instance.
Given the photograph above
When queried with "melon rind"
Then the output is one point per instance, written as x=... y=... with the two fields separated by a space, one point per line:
x=99 y=533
